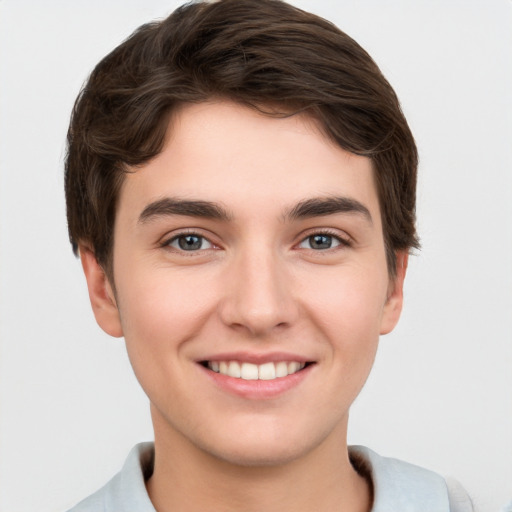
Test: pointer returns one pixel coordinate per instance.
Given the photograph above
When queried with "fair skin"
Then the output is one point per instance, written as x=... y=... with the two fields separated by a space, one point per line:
x=249 y=244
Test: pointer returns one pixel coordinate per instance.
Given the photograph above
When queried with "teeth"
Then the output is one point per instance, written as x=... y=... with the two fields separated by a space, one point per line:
x=234 y=369
x=267 y=371
x=249 y=371
x=282 y=369
x=293 y=367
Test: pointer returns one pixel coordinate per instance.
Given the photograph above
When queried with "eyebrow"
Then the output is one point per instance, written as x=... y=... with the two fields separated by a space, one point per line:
x=319 y=206
x=314 y=207
x=190 y=208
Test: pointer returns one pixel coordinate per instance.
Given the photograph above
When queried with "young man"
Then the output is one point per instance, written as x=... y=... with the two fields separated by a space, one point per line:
x=240 y=185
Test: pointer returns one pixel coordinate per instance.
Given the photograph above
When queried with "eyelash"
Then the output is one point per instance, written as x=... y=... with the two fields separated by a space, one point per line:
x=343 y=242
x=167 y=243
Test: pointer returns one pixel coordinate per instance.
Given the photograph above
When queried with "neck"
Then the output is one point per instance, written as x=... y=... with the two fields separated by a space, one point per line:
x=188 y=479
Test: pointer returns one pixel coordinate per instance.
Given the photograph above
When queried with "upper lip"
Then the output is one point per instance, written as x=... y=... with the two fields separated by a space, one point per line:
x=257 y=358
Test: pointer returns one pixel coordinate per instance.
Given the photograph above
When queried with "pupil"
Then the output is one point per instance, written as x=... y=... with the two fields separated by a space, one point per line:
x=321 y=241
x=190 y=242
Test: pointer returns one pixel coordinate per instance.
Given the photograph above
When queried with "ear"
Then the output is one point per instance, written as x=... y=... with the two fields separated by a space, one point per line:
x=395 y=298
x=101 y=294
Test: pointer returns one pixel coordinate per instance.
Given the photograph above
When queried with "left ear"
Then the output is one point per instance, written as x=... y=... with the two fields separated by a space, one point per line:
x=395 y=299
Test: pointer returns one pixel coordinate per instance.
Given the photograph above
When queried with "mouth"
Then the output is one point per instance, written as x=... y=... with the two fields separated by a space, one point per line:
x=257 y=377
x=250 y=371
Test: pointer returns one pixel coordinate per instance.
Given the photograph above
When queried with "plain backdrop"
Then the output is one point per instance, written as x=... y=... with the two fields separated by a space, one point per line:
x=440 y=394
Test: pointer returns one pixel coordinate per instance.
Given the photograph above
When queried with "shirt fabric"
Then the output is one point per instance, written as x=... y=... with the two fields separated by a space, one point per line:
x=397 y=486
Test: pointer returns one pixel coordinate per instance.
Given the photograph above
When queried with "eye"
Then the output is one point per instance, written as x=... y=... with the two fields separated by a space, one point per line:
x=321 y=241
x=189 y=242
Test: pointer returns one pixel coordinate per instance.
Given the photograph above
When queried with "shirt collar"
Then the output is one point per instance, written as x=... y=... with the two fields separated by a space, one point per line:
x=397 y=485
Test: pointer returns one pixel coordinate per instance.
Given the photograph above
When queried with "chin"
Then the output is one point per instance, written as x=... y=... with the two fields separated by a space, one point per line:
x=256 y=456
x=264 y=449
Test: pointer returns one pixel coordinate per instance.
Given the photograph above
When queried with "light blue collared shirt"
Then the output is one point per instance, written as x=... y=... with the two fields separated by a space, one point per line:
x=398 y=486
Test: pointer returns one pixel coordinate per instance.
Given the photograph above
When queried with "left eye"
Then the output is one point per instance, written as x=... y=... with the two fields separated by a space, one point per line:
x=320 y=242
x=190 y=243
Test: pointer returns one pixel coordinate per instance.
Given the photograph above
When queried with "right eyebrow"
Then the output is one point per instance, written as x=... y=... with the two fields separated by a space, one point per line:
x=190 y=208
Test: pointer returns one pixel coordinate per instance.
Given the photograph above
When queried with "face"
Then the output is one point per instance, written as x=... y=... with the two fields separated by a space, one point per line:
x=251 y=283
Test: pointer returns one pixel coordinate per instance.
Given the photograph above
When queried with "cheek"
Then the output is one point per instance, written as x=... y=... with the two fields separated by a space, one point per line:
x=160 y=314
x=348 y=312
x=354 y=300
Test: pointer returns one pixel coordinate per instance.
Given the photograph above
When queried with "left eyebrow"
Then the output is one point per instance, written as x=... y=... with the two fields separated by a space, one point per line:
x=319 y=206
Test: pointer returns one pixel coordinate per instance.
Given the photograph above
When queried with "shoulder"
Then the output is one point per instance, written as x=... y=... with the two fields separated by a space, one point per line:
x=126 y=491
x=398 y=485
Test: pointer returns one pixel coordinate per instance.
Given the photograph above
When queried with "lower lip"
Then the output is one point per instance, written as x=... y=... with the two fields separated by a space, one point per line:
x=258 y=389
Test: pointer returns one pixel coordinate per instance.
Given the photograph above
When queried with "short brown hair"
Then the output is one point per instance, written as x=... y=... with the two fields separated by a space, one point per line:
x=259 y=53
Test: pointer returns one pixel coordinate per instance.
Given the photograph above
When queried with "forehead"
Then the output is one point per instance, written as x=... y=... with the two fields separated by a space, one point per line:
x=225 y=152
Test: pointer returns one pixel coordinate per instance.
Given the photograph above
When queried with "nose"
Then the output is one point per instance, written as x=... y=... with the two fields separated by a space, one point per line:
x=258 y=296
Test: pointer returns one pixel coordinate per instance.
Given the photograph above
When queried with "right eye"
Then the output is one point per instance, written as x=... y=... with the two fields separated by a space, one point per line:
x=189 y=242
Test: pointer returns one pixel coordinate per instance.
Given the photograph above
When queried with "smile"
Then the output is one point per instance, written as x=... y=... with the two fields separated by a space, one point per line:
x=250 y=371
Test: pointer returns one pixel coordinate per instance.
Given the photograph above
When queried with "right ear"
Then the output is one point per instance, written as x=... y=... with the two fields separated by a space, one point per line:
x=101 y=294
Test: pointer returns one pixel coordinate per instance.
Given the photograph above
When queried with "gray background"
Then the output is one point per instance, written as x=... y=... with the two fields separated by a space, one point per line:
x=441 y=391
